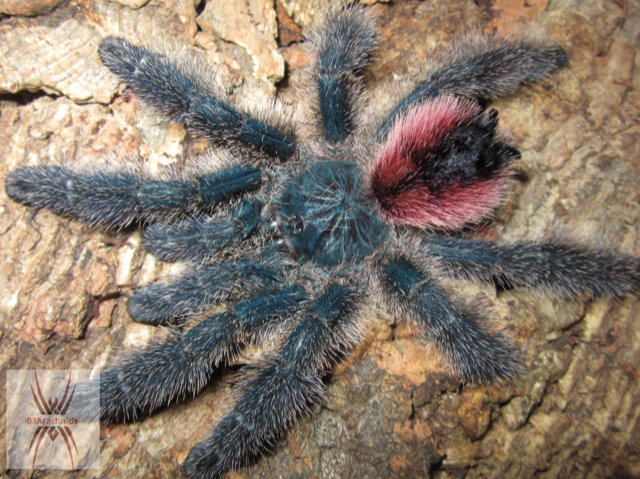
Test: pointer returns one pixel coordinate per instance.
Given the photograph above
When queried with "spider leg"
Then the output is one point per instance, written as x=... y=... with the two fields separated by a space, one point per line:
x=196 y=239
x=474 y=353
x=277 y=392
x=115 y=199
x=340 y=47
x=194 y=291
x=183 y=362
x=569 y=270
x=177 y=88
x=481 y=68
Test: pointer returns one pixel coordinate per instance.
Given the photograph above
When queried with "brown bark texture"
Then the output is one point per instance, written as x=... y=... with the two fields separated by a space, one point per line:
x=392 y=409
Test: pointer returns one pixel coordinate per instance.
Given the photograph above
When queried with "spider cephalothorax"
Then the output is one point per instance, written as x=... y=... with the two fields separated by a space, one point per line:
x=296 y=231
x=327 y=216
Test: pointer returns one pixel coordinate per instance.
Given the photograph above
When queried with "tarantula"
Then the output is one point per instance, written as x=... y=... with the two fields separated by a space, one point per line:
x=295 y=231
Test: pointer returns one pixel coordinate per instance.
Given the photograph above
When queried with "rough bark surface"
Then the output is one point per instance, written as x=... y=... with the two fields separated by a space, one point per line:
x=392 y=409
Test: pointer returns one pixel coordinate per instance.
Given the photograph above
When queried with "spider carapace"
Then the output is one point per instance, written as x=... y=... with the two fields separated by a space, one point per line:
x=295 y=228
x=326 y=216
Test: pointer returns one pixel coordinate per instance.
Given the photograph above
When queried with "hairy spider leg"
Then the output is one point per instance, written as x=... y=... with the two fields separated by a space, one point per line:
x=275 y=394
x=481 y=68
x=171 y=86
x=340 y=47
x=115 y=199
x=183 y=362
x=194 y=291
x=198 y=239
x=476 y=354
x=566 y=269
